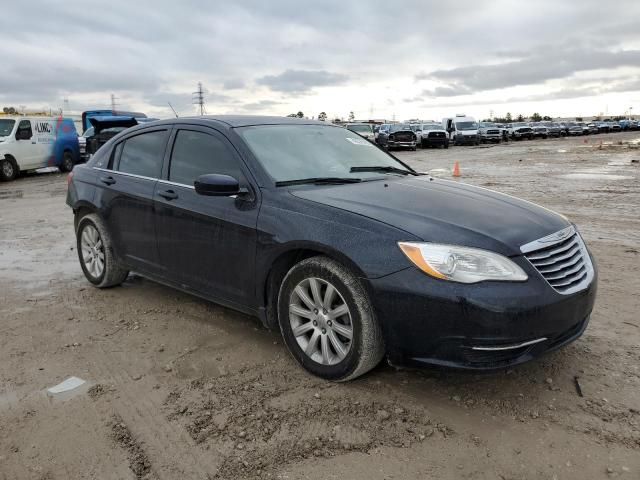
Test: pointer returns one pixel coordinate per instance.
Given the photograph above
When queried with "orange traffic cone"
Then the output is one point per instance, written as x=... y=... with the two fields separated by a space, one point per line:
x=456 y=170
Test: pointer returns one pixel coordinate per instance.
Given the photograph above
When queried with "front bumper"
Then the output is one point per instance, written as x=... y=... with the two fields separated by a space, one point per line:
x=435 y=141
x=483 y=326
x=466 y=139
x=396 y=144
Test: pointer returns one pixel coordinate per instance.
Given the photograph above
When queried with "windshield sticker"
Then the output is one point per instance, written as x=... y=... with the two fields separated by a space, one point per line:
x=360 y=141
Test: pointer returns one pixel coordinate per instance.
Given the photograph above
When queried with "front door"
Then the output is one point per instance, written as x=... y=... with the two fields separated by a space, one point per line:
x=25 y=149
x=206 y=243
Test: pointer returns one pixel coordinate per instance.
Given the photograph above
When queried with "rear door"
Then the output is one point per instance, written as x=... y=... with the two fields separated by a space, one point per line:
x=126 y=196
x=207 y=243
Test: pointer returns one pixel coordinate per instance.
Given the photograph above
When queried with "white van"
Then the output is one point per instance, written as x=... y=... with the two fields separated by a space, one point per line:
x=462 y=130
x=28 y=143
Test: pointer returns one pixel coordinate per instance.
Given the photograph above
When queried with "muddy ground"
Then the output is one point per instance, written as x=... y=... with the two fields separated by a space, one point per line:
x=179 y=388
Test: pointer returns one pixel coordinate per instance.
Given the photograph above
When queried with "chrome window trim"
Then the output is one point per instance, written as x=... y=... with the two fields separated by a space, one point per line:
x=183 y=185
x=126 y=174
x=166 y=182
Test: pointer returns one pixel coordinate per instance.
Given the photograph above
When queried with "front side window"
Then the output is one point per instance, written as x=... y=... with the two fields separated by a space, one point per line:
x=142 y=154
x=197 y=153
x=24 y=131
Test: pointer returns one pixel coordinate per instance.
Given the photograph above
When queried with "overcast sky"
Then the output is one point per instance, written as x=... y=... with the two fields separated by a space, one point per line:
x=380 y=59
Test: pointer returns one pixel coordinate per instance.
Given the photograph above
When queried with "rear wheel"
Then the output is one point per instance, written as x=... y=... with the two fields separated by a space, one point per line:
x=327 y=320
x=67 y=162
x=8 y=169
x=95 y=252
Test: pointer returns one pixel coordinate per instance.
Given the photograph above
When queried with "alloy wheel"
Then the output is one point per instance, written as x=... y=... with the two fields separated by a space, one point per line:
x=320 y=321
x=7 y=169
x=92 y=251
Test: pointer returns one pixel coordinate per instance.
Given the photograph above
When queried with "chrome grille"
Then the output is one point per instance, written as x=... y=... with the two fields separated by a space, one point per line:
x=562 y=260
x=493 y=132
x=436 y=135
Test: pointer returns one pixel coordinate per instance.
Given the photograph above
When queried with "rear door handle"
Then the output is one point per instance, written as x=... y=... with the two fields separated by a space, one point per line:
x=108 y=180
x=168 y=194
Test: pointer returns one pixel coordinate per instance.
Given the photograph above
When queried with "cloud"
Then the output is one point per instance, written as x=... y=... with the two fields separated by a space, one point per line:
x=542 y=65
x=301 y=81
x=233 y=84
x=261 y=106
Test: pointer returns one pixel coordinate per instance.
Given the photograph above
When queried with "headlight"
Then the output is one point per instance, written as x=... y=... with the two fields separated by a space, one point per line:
x=461 y=264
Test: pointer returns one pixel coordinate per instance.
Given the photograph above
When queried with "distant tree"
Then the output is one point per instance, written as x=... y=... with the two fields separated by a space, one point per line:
x=300 y=115
x=547 y=118
x=10 y=110
x=536 y=117
x=508 y=118
x=292 y=115
x=520 y=118
x=597 y=119
x=352 y=116
x=336 y=120
x=578 y=119
x=322 y=116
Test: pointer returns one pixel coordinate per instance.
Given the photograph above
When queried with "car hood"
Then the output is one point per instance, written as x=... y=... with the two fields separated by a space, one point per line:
x=443 y=211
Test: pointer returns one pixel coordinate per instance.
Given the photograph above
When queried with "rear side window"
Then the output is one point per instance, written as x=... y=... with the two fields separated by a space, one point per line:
x=197 y=153
x=142 y=154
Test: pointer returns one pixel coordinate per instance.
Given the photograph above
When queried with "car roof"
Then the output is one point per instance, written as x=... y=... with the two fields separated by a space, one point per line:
x=249 y=120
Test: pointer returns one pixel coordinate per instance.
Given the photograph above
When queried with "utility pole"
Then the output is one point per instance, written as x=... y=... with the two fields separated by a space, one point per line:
x=113 y=104
x=198 y=98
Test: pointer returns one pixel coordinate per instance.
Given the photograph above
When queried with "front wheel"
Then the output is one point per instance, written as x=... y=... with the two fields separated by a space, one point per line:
x=95 y=251
x=327 y=320
x=8 y=170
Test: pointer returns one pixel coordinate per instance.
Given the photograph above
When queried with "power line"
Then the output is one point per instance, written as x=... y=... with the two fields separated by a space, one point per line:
x=198 y=98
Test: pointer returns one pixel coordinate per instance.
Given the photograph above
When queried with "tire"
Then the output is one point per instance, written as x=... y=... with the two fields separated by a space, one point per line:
x=364 y=350
x=446 y=145
x=67 y=162
x=111 y=272
x=8 y=170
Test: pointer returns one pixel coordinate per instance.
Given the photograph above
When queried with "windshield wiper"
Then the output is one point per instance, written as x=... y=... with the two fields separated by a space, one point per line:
x=319 y=181
x=385 y=169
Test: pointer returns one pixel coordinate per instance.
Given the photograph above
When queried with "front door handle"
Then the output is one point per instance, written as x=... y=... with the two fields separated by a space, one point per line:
x=108 y=180
x=168 y=194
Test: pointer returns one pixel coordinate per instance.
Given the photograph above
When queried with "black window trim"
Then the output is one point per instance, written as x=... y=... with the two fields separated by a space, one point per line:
x=207 y=130
x=114 y=163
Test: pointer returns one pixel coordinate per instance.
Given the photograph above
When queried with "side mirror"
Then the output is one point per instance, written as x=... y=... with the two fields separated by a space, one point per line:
x=214 y=185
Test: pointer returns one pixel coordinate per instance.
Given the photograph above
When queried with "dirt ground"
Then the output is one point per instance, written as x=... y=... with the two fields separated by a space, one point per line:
x=179 y=388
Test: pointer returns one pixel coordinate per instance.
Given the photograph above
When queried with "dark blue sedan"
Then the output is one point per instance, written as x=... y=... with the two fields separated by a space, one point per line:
x=352 y=254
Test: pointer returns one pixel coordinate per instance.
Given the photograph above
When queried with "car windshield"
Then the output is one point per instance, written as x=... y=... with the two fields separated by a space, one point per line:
x=466 y=125
x=399 y=128
x=6 y=126
x=431 y=126
x=522 y=124
x=293 y=152
x=360 y=128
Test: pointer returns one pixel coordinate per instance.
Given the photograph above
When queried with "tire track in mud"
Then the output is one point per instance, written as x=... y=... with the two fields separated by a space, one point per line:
x=170 y=450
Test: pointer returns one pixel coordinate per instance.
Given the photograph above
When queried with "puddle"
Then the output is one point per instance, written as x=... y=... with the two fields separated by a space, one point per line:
x=595 y=176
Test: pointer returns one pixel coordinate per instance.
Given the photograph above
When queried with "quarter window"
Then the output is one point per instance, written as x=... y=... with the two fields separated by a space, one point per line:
x=142 y=154
x=197 y=153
